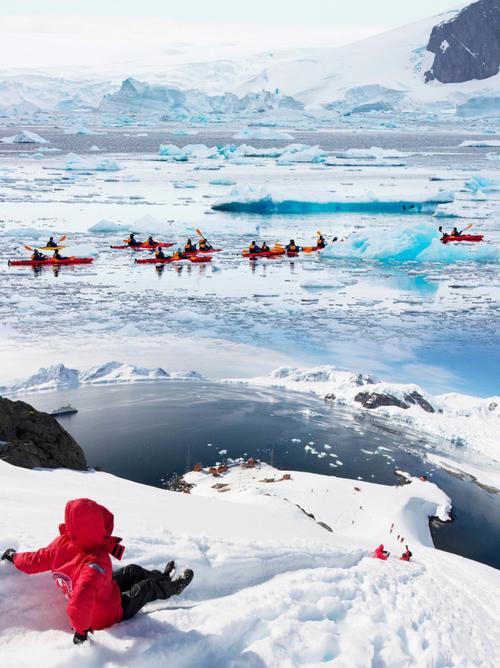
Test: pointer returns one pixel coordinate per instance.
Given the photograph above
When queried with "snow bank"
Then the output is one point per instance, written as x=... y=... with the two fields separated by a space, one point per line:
x=249 y=199
x=272 y=587
x=59 y=377
x=419 y=243
x=24 y=137
x=77 y=163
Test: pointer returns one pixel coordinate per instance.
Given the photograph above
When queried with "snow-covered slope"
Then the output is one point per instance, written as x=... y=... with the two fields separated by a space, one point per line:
x=272 y=587
x=59 y=377
x=465 y=429
x=385 y=71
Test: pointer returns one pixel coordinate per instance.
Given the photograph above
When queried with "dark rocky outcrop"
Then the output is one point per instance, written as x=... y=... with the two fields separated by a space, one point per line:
x=378 y=399
x=31 y=439
x=468 y=46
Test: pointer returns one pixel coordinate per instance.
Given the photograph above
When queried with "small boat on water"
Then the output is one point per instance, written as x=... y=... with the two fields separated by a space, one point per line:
x=63 y=410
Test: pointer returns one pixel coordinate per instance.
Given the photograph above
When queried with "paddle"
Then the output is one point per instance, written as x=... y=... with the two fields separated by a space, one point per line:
x=466 y=228
x=63 y=238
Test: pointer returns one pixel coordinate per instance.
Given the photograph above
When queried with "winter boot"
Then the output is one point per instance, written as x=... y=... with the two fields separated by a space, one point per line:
x=182 y=582
x=169 y=569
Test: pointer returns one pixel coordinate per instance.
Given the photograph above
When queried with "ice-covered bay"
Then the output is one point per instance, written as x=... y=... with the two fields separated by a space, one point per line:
x=408 y=317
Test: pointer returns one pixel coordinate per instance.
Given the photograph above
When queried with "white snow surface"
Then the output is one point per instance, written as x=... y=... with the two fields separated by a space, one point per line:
x=59 y=377
x=271 y=588
x=466 y=428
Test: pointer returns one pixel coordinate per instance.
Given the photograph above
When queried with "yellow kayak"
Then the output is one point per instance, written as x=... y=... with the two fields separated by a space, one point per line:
x=50 y=248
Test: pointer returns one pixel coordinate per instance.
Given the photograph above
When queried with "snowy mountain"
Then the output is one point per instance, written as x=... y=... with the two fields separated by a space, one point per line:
x=59 y=377
x=273 y=585
x=402 y=69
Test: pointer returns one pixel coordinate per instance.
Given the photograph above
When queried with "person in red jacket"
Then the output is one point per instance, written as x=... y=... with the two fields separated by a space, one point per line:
x=407 y=555
x=79 y=559
x=380 y=553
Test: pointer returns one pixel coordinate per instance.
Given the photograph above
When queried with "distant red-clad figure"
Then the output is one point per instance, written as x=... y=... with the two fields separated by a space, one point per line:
x=79 y=559
x=407 y=555
x=380 y=553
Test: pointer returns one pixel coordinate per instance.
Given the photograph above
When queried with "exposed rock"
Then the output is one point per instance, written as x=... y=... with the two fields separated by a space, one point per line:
x=468 y=46
x=31 y=439
x=378 y=399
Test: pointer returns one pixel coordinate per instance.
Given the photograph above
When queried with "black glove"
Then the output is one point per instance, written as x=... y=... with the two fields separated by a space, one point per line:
x=8 y=554
x=80 y=638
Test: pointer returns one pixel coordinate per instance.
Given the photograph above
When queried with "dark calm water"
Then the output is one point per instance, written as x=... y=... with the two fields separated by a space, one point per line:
x=147 y=432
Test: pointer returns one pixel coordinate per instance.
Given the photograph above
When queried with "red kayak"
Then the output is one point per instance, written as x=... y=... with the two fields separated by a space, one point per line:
x=270 y=254
x=463 y=237
x=161 y=244
x=51 y=260
x=168 y=260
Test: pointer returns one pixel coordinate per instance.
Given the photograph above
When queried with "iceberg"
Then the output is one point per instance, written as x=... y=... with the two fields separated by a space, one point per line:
x=478 y=184
x=313 y=154
x=107 y=227
x=75 y=163
x=420 y=243
x=25 y=137
x=177 y=154
x=248 y=199
x=481 y=143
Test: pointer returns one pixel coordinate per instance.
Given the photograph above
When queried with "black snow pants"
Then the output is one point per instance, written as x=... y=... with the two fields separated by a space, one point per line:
x=139 y=586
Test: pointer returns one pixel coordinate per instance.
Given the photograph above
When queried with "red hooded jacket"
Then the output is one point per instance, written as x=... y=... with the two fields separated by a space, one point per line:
x=81 y=566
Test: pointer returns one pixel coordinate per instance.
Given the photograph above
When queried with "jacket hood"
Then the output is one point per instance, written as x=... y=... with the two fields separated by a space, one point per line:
x=90 y=525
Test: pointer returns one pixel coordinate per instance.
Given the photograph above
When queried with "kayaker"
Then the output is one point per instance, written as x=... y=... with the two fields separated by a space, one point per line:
x=292 y=247
x=57 y=255
x=189 y=247
x=444 y=234
x=37 y=256
x=80 y=561
x=51 y=243
x=159 y=255
x=204 y=245
x=178 y=255
x=455 y=232
x=321 y=243
x=132 y=241
x=151 y=241
x=254 y=248
x=265 y=248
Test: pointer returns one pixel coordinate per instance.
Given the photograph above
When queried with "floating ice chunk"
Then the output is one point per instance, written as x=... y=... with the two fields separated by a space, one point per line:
x=310 y=154
x=25 y=233
x=481 y=143
x=262 y=133
x=482 y=184
x=76 y=163
x=184 y=184
x=222 y=452
x=197 y=151
x=412 y=243
x=222 y=182
x=24 y=137
x=107 y=227
x=95 y=148
x=321 y=283
x=493 y=156
x=249 y=199
x=374 y=153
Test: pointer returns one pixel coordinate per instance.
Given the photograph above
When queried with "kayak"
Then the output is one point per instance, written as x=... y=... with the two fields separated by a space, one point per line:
x=168 y=260
x=463 y=237
x=50 y=248
x=50 y=260
x=144 y=246
x=270 y=254
x=311 y=249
